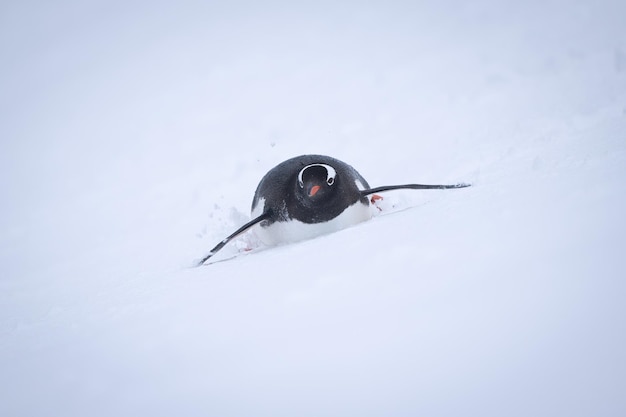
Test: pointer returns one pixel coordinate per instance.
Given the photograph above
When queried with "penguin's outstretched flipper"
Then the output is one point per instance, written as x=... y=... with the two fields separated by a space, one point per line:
x=412 y=187
x=239 y=231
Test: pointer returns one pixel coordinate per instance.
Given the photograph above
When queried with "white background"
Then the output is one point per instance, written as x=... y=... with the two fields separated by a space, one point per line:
x=133 y=135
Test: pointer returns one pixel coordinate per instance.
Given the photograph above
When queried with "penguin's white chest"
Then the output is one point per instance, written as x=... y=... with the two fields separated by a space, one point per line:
x=295 y=230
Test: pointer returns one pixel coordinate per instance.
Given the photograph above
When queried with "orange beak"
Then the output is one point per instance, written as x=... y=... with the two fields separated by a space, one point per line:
x=314 y=190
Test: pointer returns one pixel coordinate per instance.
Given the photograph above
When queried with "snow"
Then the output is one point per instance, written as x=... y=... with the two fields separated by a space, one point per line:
x=132 y=138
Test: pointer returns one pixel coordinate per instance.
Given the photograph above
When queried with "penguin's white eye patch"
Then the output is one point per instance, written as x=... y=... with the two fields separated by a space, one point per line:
x=330 y=174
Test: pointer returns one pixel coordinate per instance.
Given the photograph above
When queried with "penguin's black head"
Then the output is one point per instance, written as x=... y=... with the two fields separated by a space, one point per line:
x=315 y=183
x=310 y=189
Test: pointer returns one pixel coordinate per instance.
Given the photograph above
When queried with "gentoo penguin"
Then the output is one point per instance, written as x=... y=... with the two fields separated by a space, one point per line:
x=311 y=195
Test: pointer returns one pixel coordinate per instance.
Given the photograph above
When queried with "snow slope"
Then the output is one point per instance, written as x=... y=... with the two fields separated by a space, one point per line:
x=133 y=135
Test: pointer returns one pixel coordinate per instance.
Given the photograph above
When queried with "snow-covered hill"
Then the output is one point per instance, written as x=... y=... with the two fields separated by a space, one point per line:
x=132 y=138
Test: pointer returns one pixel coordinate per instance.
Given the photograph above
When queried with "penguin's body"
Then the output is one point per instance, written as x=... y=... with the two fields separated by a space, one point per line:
x=294 y=230
x=308 y=196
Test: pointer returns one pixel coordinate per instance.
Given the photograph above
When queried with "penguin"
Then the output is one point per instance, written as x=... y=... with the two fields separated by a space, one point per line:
x=311 y=195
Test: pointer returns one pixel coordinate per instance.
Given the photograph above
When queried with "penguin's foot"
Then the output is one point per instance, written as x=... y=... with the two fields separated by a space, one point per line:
x=375 y=199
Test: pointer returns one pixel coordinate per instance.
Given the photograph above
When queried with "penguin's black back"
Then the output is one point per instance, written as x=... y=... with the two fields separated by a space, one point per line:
x=278 y=189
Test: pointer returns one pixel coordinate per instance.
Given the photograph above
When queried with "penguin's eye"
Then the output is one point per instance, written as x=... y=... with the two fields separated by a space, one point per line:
x=330 y=180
